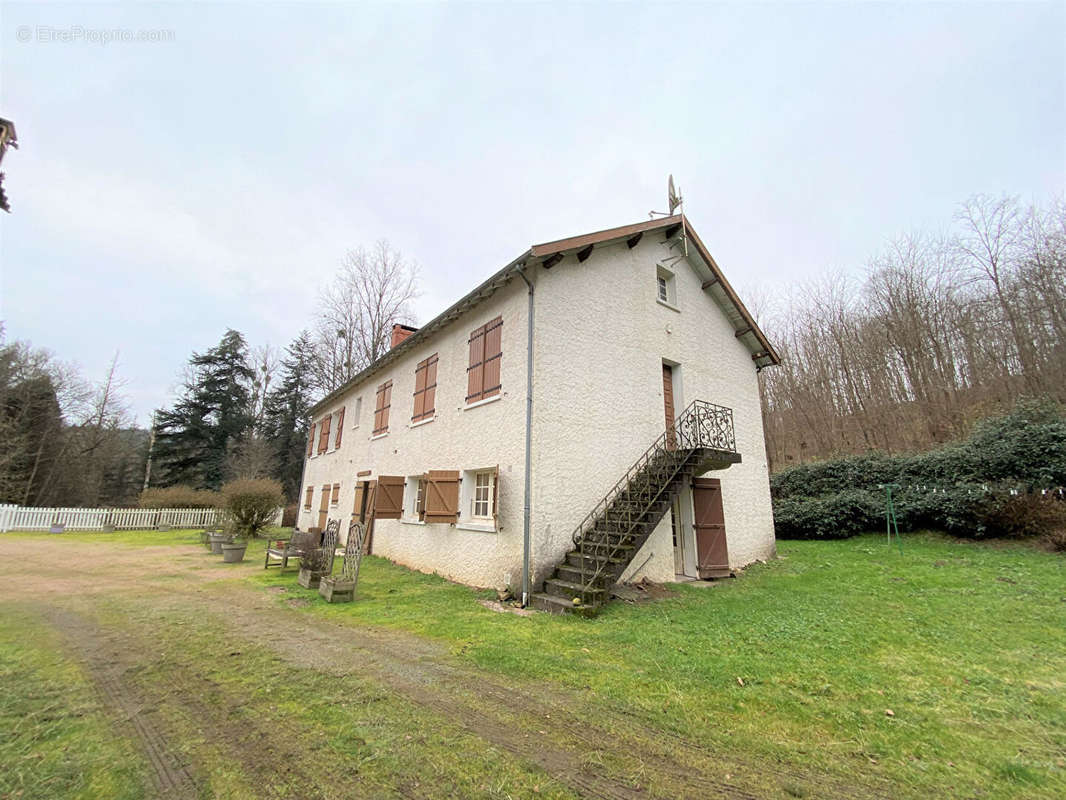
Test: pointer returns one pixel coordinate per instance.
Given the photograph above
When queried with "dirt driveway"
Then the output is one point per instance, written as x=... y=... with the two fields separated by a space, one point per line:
x=149 y=625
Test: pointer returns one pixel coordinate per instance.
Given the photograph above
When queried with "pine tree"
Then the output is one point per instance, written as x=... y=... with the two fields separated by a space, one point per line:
x=287 y=413
x=193 y=438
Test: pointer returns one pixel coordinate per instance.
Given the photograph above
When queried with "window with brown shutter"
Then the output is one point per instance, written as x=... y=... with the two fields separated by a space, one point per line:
x=323 y=434
x=340 y=427
x=381 y=408
x=311 y=441
x=425 y=389
x=336 y=495
x=388 y=500
x=308 y=497
x=486 y=352
x=442 y=495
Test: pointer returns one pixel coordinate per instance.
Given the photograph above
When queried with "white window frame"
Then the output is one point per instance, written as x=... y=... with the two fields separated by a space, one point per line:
x=413 y=485
x=476 y=488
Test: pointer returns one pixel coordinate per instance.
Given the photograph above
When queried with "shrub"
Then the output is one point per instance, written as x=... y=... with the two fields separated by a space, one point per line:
x=252 y=503
x=1026 y=515
x=179 y=497
x=836 y=516
x=962 y=488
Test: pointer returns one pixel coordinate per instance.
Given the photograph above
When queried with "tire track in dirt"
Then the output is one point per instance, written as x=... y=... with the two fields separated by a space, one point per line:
x=424 y=673
x=170 y=778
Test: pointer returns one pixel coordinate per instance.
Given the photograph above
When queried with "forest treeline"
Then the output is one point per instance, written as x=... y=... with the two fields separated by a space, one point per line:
x=938 y=332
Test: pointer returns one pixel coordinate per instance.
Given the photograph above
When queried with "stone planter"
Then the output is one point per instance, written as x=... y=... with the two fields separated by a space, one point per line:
x=217 y=540
x=309 y=579
x=162 y=527
x=108 y=529
x=337 y=591
x=233 y=552
x=57 y=528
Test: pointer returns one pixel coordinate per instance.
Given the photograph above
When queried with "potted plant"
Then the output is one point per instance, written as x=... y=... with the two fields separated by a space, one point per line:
x=233 y=548
x=250 y=504
x=216 y=540
x=313 y=565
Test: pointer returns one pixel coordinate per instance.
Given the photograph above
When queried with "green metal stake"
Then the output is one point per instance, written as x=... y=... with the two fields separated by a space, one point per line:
x=890 y=516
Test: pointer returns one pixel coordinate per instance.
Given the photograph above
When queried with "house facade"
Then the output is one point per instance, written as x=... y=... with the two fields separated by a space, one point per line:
x=507 y=429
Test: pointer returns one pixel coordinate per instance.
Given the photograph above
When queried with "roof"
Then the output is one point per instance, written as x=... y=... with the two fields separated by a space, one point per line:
x=551 y=253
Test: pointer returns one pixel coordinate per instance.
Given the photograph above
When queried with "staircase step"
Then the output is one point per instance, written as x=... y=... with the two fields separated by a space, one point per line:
x=574 y=558
x=570 y=590
x=559 y=605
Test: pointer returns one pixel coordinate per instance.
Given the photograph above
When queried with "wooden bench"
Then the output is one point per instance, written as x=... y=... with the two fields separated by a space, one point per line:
x=281 y=550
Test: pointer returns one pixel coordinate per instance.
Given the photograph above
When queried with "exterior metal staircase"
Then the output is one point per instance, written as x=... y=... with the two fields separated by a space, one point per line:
x=610 y=535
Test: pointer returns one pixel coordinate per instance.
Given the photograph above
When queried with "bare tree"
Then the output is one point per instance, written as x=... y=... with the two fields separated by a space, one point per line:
x=372 y=291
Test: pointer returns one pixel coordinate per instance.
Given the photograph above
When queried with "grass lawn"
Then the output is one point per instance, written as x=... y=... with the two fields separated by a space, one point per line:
x=941 y=672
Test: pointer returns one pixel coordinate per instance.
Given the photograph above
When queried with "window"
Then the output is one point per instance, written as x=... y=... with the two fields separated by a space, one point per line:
x=311 y=441
x=381 y=409
x=665 y=286
x=486 y=352
x=308 y=497
x=414 y=505
x=425 y=389
x=340 y=427
x=481 y=507
x=336 y=497
x=323 y=434
x=358 y=412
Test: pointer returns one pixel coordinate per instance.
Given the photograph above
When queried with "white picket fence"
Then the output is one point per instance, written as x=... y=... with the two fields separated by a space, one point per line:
x=19 y=518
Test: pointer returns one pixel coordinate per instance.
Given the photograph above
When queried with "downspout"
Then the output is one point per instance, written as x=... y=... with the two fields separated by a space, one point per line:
x=529 y=441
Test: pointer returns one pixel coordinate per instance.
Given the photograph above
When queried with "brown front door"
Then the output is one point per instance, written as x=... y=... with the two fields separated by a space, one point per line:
x=370 y=497
x=712 y=554
x=323 y=508
x=668 y=401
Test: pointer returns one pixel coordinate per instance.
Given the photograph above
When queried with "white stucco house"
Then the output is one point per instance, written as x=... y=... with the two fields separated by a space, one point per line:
x=588 y=414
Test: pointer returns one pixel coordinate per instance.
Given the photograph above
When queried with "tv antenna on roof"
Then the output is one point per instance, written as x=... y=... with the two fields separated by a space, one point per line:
x=673 y=199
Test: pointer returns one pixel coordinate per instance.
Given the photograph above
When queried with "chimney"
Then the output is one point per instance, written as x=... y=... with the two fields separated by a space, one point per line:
x=400 y=332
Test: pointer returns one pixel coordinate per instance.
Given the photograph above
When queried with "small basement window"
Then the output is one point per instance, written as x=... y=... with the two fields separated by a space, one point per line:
x=665 y=286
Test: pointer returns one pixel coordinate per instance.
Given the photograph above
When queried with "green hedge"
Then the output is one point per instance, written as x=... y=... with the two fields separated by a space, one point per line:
x=964 y=488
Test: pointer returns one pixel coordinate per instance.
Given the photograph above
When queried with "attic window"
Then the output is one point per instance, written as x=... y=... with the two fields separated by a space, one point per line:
x=665 y=287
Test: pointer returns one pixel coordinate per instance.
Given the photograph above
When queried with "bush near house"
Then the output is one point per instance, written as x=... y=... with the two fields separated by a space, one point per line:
x=991 y=484
x=252 y=503
x=179 y=497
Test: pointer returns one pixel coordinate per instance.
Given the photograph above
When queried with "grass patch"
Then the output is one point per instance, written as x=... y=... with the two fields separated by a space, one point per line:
x=56 y=740
x=943 y=671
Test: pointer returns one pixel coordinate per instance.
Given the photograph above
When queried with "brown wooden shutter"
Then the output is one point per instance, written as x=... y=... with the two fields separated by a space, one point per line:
x=475 y=371
x=493 y=357
x=442 y=495
x=486 y=353
x=381 y=408
x=357 y=506
x=340 y=427
x=425 y=389
x=311 y=441
x=389 y=501
x=336 y=498
x=323 y=434
x=309 y=496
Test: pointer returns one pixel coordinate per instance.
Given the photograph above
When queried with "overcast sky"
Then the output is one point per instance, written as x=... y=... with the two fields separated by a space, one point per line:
x=166 y=190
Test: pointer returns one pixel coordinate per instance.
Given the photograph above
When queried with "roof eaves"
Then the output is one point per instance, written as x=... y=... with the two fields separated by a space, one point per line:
x=483 y=291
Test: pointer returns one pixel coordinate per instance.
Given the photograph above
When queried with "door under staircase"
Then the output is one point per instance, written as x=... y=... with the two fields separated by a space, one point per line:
x=607 y=539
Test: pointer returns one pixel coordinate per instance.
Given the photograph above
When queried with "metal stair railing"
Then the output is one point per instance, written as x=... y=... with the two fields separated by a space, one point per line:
x=701 y=425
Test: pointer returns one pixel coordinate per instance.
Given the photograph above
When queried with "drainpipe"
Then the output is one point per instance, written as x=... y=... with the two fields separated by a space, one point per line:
x=529 y=440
